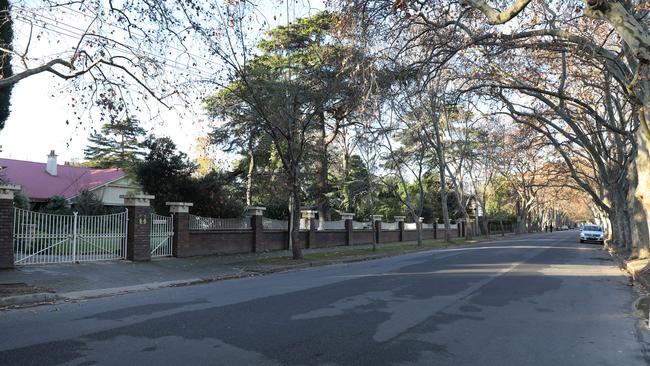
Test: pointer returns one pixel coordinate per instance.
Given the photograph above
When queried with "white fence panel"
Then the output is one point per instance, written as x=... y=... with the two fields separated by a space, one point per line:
x=213 y=223
x=41 y=238
x=451 y=226
x=389 y=226
x=358 y=225
x=334 y=225
x=272 y=224
x=161 y=235
x=410 y=226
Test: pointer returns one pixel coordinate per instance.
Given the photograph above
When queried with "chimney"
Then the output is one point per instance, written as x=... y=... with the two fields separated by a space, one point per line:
x=51 y=164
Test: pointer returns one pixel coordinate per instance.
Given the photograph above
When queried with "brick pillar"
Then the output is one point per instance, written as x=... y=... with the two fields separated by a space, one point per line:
x=435 y=228
x=376 y=220
x=256 y=214
x=181 y=240
x=400 y=226
x=7 y=225
x=310 y=216
x=138 y=239
x=348 y=227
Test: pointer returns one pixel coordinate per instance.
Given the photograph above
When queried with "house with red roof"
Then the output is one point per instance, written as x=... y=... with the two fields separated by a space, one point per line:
x=40 y=181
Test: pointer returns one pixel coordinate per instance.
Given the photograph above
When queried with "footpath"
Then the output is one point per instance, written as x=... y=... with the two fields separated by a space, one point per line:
x=47 y=284
x=639 y=271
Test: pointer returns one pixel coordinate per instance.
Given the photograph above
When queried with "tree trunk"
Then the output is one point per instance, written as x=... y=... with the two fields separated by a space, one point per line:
x=621 y=217
x=443 y=203
x=249 y=176
x=6 y=39
x=519 y=218
x=642 y=188
x=639 y=235
x=486 y=224
x=503 y=230
x=469 y=227
x=617 y=229
x=322 y=185
x=296 y=248
x=347 y=192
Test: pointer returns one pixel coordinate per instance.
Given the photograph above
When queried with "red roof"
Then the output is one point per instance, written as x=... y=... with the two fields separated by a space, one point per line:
x=69 y=181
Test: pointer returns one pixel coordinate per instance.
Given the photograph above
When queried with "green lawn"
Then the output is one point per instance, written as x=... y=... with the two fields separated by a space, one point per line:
x=62 y=246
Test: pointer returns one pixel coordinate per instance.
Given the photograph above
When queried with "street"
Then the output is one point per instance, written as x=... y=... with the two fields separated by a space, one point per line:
x=542 y=299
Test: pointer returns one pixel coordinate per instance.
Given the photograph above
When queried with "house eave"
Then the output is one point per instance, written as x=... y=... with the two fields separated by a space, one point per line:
x=102 y=186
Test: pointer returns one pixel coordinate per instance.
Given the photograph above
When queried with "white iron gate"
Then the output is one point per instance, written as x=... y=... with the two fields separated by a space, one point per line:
x=41 y=238
x=162 y=232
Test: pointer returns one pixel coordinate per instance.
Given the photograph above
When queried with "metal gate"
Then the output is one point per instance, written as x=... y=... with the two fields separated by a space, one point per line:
x=41 y=238
x=162 y=232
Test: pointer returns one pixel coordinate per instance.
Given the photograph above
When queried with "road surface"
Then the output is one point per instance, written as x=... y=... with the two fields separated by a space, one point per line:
x=537 y=300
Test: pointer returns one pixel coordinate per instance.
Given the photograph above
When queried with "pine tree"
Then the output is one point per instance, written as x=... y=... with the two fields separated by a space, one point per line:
x=117 y=145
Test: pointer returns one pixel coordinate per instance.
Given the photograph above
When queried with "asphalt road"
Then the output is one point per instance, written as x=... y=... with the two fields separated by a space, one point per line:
x=540 y=300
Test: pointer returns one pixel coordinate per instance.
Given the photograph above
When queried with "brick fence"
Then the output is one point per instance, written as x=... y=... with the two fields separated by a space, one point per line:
x=255 y=238
x=7 y=225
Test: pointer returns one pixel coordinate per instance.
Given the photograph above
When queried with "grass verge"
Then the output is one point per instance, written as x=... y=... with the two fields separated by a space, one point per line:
x=342 y=253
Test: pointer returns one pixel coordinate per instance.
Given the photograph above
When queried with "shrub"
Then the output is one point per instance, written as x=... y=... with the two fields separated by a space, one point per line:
x=21 y=200
x=86 y=203
x=57 y=205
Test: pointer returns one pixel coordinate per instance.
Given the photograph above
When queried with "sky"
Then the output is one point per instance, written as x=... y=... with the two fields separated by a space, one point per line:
x=37 y=124
x=39 y=112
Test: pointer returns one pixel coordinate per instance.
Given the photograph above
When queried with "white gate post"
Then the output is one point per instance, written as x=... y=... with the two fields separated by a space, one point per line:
x=74 y=237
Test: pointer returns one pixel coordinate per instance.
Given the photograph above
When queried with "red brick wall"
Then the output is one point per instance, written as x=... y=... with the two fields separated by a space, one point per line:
x=391 y=236
x=329 y=238
x=278 y=240
x=237 y=242
x=360 y=237
x=427 y=234
x=219 y=242
x=6 y=233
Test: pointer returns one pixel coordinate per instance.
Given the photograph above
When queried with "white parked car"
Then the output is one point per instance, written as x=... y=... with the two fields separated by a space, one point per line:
x=592 y=233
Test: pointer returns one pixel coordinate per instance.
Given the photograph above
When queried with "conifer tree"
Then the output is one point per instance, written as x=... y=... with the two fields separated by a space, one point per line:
x=117 y=145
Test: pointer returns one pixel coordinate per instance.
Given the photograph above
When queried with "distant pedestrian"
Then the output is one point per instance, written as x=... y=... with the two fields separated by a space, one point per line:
x=546 y=228
x=551 y=227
